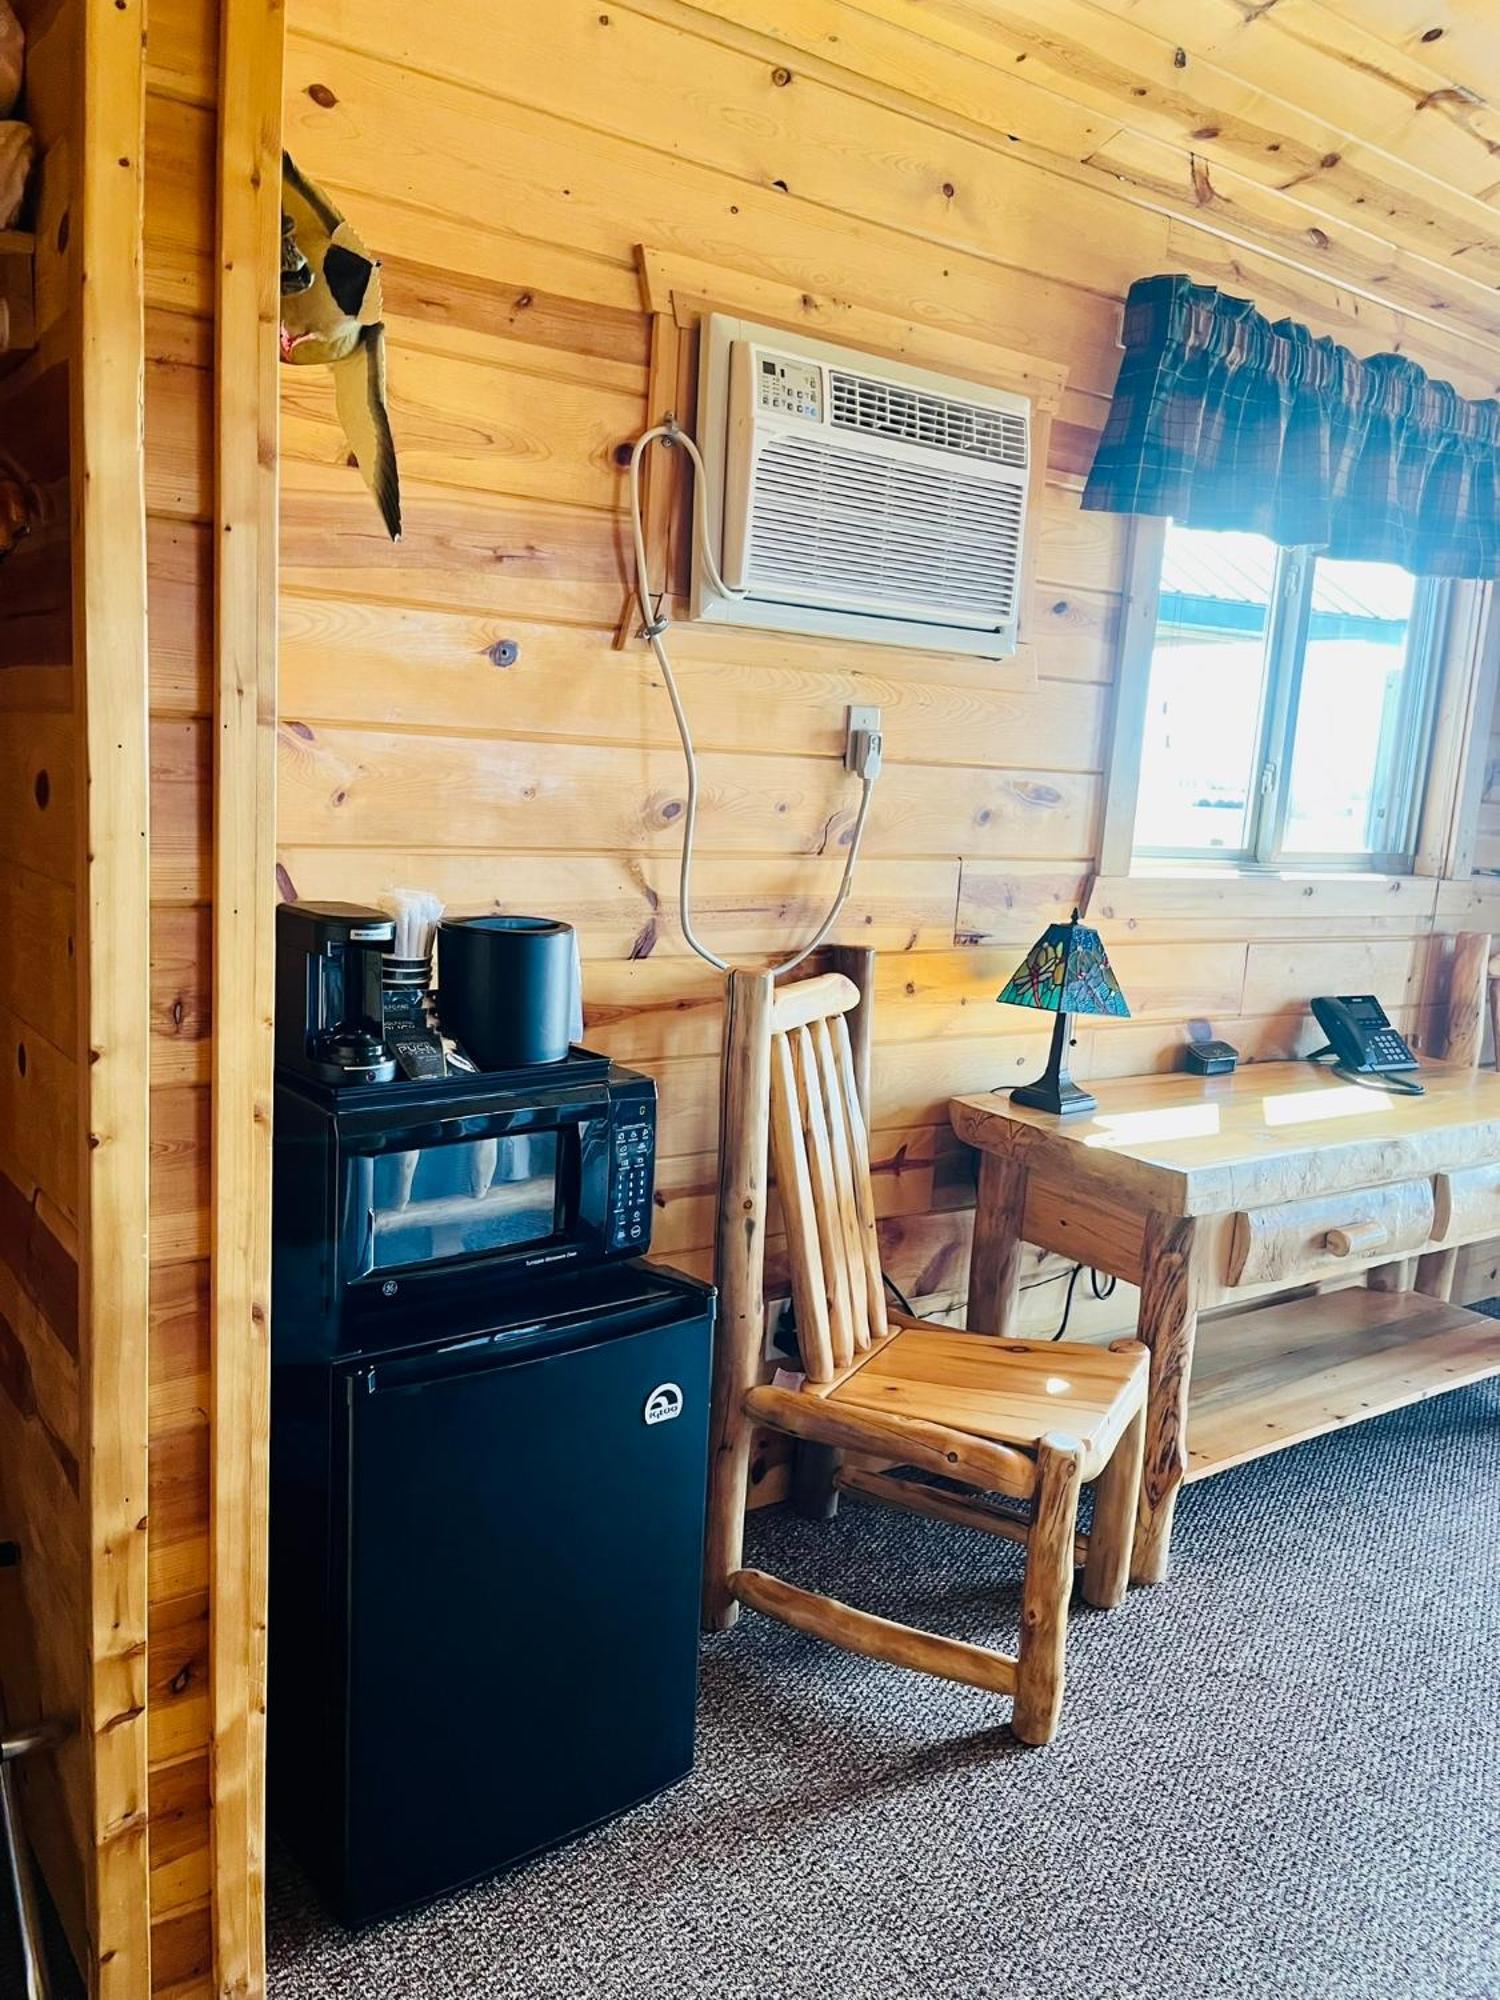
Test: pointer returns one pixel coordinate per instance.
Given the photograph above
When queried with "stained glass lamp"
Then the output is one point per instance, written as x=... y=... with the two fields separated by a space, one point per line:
x=1065 y=972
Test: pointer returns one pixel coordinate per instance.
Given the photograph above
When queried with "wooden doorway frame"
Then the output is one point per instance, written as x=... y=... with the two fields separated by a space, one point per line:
x=246 y=448
x=112 y=970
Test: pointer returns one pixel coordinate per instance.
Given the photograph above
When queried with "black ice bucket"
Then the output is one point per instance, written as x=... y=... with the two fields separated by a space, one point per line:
x=507 y=988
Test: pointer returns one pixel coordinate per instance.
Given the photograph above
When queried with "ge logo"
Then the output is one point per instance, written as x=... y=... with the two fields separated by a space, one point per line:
x=390 y=1288
x=663 y=1404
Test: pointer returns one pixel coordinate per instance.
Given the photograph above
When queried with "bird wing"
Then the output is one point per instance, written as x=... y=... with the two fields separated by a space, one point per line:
x=353 y=279
x=359 y=391
x=348 y=252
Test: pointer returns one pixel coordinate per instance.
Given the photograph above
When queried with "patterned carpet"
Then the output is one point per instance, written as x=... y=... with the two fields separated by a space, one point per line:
x=1278 y=1775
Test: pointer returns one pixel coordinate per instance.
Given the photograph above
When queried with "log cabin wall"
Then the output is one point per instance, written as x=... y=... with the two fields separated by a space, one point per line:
x=43 y=1658
x=73 y=994
x=979 y=175
x=998 y=178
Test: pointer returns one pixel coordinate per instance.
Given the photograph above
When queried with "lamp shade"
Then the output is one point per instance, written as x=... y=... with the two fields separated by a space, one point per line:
x=1066 y=972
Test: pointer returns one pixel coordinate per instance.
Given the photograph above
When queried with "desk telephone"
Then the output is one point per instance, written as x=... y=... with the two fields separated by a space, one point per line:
x=1360 y=1037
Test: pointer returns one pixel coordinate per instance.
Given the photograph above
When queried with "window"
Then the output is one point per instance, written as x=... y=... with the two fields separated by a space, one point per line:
x=1285 y=705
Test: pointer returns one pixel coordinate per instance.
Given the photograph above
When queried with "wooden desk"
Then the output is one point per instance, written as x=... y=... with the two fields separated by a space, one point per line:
x=1220 y=1191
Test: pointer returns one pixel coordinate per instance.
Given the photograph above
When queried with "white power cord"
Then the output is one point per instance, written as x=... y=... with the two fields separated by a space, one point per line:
x=654 y=624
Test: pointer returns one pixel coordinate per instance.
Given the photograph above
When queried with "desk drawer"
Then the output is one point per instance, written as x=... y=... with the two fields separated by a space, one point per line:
x=1467 y=1204
x=1303 y=1239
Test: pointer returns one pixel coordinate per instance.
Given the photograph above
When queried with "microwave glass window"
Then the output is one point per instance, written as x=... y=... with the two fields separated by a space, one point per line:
x=455 y=1200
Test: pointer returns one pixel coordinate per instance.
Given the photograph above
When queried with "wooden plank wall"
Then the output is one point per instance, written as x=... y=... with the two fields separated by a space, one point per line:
x=181 y=137
x=44 y=1607
x=506 y=168
x=506 y=163
x=73 y=1146
x=112 y=971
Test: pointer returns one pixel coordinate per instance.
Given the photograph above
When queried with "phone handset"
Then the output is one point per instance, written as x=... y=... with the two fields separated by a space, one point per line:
x=1361 y=1040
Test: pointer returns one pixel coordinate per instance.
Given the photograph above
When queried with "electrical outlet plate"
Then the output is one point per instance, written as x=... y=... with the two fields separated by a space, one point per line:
x=856 y=719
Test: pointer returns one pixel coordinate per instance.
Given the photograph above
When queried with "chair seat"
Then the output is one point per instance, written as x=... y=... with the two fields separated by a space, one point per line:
x=1007 y=1391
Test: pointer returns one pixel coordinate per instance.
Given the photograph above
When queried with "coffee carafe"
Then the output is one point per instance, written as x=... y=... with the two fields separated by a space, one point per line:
x=328 y=1008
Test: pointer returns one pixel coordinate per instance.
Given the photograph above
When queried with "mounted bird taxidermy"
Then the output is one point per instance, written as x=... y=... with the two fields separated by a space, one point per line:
x=331 y=311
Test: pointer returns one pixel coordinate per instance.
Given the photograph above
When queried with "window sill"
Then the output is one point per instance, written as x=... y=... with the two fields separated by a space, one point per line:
x=1165 y=870
x=1230 y=901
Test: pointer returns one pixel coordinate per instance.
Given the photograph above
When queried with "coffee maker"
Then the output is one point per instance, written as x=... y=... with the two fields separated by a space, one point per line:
x=328 y=1010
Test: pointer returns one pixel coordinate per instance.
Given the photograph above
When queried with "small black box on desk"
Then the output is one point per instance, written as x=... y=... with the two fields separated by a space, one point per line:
x=1210 y=1058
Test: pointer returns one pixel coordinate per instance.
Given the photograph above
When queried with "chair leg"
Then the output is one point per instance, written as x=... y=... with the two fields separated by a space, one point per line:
x=1106 y=1572
x=815 y=1471
x=739 y=1262
x=1045 y=1594
x=728 y=1489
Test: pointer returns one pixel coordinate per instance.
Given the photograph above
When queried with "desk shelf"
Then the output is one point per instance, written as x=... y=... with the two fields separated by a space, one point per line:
x=1278 y=1374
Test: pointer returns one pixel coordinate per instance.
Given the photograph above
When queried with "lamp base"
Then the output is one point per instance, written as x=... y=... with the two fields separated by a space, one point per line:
x=1057 y=1094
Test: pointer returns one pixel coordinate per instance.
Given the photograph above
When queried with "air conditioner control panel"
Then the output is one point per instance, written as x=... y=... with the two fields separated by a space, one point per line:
x=790 y=388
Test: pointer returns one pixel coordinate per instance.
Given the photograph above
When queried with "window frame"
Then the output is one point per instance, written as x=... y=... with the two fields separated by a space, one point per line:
x=1450 y=748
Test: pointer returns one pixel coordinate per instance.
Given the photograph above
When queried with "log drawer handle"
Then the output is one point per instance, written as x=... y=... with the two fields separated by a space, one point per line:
x=1356 y=1239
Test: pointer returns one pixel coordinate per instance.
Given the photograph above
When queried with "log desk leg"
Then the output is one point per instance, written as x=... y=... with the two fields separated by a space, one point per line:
x=1168 y=1277
x=1168 y=1325
x=995 y=1263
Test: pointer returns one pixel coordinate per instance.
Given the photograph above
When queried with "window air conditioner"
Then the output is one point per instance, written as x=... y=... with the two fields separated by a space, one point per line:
x=859 y=498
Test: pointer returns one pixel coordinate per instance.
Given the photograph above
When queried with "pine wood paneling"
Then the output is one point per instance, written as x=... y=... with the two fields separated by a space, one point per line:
x=181 y=132
x=905 y=166
x=378 y=788
x=621 y=904
x=44 y=1433
x=246 y=453
x=112 y=958
x=434 y=670
x=987 y=179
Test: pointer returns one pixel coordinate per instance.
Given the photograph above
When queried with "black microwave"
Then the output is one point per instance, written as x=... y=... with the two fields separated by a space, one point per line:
x=395 y=1202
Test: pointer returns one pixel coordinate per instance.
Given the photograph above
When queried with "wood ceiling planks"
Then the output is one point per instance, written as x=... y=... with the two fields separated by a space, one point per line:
x=1356 y=142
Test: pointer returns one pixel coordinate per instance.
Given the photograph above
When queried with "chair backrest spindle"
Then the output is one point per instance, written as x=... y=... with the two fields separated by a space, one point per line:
x=868 y=1250
x=851 y=1257
x=830 y=1269
x=821 y=1155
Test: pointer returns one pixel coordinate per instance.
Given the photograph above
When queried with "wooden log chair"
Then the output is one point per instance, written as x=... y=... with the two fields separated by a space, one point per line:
x=1030 y=1420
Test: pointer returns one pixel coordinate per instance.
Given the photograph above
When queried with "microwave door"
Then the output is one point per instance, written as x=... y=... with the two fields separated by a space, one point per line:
x=465 y=1198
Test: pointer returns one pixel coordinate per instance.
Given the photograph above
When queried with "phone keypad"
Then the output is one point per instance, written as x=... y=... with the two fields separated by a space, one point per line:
x=1387 y=1050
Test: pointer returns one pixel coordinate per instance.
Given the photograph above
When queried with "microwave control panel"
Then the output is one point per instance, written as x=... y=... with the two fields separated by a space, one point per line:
x=631 y=1174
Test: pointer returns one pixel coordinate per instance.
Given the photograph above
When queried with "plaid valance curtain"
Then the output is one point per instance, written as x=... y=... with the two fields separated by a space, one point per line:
x=1225 y=419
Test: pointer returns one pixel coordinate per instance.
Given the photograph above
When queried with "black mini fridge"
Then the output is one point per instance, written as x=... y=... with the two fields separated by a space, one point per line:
x=485 y=1573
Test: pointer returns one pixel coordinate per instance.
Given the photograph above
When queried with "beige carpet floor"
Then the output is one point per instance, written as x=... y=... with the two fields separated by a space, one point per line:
x=1278 y=1776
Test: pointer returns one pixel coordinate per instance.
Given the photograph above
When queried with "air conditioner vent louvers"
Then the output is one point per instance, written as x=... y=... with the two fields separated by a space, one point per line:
x=836 y=522
x=889 y=409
